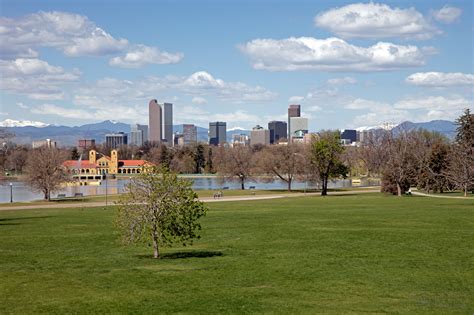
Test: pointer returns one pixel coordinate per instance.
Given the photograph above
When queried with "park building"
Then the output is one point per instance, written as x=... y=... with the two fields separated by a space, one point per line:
x=94 y=167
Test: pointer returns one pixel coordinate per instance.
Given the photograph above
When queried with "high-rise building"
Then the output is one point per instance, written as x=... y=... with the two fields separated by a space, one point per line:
x=155 y=121
x=115 y=140
x=298 y=127
x=43 y=143
x=85 y=144
x=168 y=123
x=189 y=134
x=278 y=130
x=293 y=111
x=240 y=139
x=259 y=135
x=349 y=134
x=138 y=134
x=217 y=133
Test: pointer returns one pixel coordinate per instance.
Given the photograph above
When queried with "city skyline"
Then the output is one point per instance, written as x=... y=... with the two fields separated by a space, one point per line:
x=68 y=64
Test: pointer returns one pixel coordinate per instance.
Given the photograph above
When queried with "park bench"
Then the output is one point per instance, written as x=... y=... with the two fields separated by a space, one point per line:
x=225 y=188
x=218 y=194
x=78 y=195
x=61 y=196
x=252 y=187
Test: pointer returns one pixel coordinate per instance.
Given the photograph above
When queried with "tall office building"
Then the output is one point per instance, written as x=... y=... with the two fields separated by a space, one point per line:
x=259 y=135
x=217 y=133
x=154 y=118
x=278 y=130
x=298 y=127
x=189 y=134
x=138 y=134
x=349 y=134
x=168 y=123
x=115 y=140
x=293 y=111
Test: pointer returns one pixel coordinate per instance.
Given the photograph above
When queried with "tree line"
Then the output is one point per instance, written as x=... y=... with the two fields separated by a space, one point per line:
x=415 y=158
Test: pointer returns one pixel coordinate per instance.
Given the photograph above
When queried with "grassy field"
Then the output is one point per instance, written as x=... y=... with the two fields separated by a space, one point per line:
x=366 y=253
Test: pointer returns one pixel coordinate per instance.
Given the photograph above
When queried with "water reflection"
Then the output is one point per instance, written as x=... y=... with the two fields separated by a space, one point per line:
x=22 y=192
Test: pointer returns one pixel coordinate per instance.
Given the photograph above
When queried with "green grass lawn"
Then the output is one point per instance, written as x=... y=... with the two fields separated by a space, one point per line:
x=366 y=253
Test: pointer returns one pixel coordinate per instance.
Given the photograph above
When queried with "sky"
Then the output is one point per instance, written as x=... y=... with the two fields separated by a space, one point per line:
x=349 y=64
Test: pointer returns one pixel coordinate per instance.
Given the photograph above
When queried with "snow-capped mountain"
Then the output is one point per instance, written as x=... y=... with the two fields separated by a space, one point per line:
x=385 y=126
x=22 y=123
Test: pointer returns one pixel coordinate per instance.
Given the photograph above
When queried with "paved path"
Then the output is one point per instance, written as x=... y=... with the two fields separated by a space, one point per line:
x=204 y=199
x=417 y=193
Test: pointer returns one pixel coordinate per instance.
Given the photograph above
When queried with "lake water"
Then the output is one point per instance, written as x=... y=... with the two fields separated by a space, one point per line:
x=22 y=192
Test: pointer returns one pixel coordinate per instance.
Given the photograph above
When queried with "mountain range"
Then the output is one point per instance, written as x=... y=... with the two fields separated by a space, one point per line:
x=27 y=131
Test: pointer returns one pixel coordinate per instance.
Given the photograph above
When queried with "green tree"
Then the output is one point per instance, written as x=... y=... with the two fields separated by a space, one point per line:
x=326 y=158
x=74 y=154
x=465 y=129
x=199 y=158
x=161 y=208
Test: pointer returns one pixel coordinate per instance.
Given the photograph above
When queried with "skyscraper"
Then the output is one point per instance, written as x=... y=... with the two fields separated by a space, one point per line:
x=189 y=133
x=168 y=123
x=278 y=130
x=154 y=118
x=299 y=127
x=293 y=111
x=138 y=134
x=115 y=140
x=259 y=135
x=217 y=132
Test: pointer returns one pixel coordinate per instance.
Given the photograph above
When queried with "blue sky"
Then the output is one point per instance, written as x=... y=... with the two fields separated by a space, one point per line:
x=349 y=64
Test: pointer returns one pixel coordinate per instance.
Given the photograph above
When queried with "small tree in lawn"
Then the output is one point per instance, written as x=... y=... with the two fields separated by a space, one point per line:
x=159 y=208
x=326 y=158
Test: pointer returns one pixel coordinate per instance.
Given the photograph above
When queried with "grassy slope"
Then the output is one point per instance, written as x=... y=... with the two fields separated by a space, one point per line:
x=365 y=253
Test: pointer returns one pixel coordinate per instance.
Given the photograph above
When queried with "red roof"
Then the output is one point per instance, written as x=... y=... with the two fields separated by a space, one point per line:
x=78 y=164
x=132 y=163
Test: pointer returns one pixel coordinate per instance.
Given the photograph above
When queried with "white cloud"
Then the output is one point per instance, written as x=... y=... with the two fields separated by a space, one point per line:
x=412 y=108
x=360 y=103
x=141 y=55
x=198 y=84
x=440 y=79
x=434 y=103
x=447 y=14
x=296 y=99
x=331 y=54
x=123 y=113
x=73 y=34
x=202 y=117
x=21 y=105
x=342 y=81
x=35 y=78
x=199 y=100
x=375 y=21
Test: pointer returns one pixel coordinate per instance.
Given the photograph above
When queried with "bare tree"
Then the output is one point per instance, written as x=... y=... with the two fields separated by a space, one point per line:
x=400 y=164
x=17 y=159
x=286 y=162
x=460 y=170
x=234 y=163
x=44 y=170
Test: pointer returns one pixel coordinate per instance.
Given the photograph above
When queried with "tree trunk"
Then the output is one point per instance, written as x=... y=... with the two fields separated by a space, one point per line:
x=46 y=195
x=465 y=190
x=324 y=191
x=289 y=185
x=399 y=190
x=242 y=183
x=156 y=251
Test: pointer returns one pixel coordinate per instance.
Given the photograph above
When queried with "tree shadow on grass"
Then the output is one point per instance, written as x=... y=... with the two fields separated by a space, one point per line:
x=186 y=254
x=5 y=221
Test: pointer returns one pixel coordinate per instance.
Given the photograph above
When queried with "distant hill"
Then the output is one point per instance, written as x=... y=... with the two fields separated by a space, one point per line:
x=445 y=127
x=68 y=136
